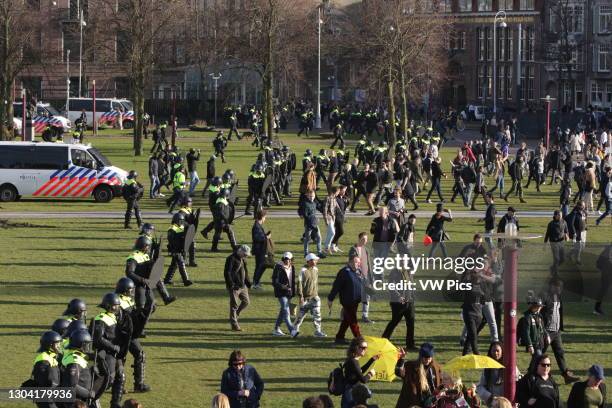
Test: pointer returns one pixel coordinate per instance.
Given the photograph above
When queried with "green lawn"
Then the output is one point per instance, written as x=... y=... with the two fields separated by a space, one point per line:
x=47 y=262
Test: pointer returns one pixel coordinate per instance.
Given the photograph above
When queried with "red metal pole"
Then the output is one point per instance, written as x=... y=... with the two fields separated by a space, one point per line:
x=94 y=124
x=173 y=117
x=23 y=114
x=547 y=123
x=510 y=319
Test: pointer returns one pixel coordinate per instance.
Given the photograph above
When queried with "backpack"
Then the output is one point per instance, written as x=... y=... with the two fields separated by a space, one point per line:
x=335 y=382
x=521 y=326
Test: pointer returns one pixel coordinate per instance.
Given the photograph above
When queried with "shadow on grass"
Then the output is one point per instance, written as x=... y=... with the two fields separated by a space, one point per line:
x=29 y=303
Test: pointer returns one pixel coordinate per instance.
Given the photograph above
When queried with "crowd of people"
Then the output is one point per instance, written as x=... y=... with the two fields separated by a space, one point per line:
x=331 y=184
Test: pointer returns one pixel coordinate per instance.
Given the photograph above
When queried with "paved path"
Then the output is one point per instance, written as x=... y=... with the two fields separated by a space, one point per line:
x=271 y=214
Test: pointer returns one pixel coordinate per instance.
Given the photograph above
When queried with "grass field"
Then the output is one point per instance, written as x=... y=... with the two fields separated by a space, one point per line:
x=47 y=262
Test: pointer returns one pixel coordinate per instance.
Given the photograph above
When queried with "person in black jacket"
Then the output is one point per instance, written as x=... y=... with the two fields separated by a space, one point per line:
x=308 y=211
x=210 y=173
x=402 y=306
x=556 y=234
x=343 y=202
x=237 y=283
x=260 y=246
x=176 y=248
x=193 y=157
x=589 y=393
x=435 y=228
x=132 y=192
x=577 y=230
x=354 y=373
x=508 y=218
x=222 y=220
x=241 y=383
x=436 y=178
x=384 y=229
x=348 y=286
x=538 y=389
x=46 y=372
x=283 y=281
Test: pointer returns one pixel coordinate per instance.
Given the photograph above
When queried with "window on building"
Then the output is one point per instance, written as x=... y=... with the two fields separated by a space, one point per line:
x=577 y=61
x=122 y=46
x=508 y=81
x=579 y=94
x=501 y=83
x=609 y=93
x=527 y=82
x=567 y=93
x=604 y=61
x=596 y=92
x=481 y=44
x=489 y=34
x=484 y=81
x=504 y=44
x=605 y=18
x=461 y=40
x=527 y=44
x=74 y=9
x=552 y=19
x=70 y=41
x=485 y=5
x=445 y=6
x=505 y=4
x=457 y=40
x=573 y=15
x=465 y=5
x=527 y=4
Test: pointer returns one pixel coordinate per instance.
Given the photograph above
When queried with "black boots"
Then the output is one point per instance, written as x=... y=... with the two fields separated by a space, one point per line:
x=139 y=372
x=163 y=292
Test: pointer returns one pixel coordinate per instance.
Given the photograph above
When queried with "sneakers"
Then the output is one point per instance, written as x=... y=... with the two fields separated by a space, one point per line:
x=336 y=249
x=160 y=195
x=598 y=312
x=428 y=201
x=256 y=286
x=322 y=255
x=278 y=332
x=236 y=327
x=366 y=320
x=320 y=334
x=141 y=387
x=188 y=282
x=294 y=333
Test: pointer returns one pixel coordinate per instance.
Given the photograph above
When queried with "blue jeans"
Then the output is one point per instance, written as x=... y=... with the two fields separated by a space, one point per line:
x=500 y=184
x=331 y=231
x=284 y=315
x=155 y=185
x=313 y=233
x=193 y=182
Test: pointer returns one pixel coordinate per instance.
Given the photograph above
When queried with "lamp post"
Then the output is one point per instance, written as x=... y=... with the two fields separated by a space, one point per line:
x=81 y=25
x=216 y=78
x=500 y=17
x=318 y=112
x=67 y=81
x=548 y=100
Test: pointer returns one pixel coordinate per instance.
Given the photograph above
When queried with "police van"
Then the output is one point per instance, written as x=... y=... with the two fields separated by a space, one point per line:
x=57 y=170
x=107 y=110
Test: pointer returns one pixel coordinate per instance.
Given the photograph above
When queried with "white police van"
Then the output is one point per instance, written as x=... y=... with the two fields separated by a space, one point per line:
x=57 y=170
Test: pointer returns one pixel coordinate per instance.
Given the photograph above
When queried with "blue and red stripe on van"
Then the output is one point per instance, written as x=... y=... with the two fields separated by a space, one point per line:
x=76 y=181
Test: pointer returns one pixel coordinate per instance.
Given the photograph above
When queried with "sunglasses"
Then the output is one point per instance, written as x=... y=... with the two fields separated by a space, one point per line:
x=363 y=347
x=545 y=365
x=238 y=363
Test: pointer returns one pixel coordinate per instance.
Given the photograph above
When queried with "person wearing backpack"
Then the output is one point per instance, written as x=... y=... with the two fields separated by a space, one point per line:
x=354 y=373
x=538 y=389
x=530 y=330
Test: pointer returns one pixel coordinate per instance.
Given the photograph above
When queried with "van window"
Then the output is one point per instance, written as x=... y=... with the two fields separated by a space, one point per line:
x=82 y=159
x=33 y=157
x=103 y=106
x=77 y=105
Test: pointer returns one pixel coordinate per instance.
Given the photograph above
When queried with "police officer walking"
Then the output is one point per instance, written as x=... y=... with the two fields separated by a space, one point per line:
x=176 y=245
x=104 y=329
x=46 y=372
x=75 y=370
x=190 y=219
x=125 y=289
x=178 y=187
x=222 y=221
x=132 y=192
x=219 y=144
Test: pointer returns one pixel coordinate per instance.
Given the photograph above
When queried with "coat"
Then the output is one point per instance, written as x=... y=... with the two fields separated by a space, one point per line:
x=411 y=393
x=232 y=383
x=282 y=286
x=576 y=396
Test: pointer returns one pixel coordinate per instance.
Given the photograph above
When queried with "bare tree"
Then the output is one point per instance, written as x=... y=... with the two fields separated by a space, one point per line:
x=138 y=32
x=271 y=37
x=17 y=29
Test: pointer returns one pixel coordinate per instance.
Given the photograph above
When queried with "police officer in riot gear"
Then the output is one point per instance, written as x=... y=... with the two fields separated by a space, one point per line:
x=132 y=192
x=138 y=269
x=213 y=193
x=222 y=221
x=75 y=369
x=60 y=326
x=178 y=187
x=74 y=326
x=125 y=289
x=46 y=371
x=76 y=310
x=255 y=182
x=219 y=144
x=176 y=244
x=105 y=337
x=190 y=219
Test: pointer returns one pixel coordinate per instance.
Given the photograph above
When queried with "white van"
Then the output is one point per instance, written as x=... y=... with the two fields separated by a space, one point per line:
x=45 y=115
x=106 y=110
x=57 y=170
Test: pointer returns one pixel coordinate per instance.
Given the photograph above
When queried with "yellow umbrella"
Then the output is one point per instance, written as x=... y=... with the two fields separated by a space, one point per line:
x=384 y=367
x=471 y=362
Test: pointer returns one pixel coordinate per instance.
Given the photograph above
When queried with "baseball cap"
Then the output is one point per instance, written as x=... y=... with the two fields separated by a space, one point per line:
x=311 y=257
x=596 y=371
x=287 y=255
x=246 y=249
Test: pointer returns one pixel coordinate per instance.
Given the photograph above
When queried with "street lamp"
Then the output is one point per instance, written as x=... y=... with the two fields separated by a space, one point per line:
x=216 y=78
x=318 y=113
x=548 y=100
x=500 y=17
x=82 y=24
x=67 y=80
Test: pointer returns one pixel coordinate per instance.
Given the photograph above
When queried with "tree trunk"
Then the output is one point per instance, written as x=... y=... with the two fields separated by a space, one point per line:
x=138 y=89
x=268 y=93
x=264 y=104
x=403 y=102
x=5 y=86
x=391 y=109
